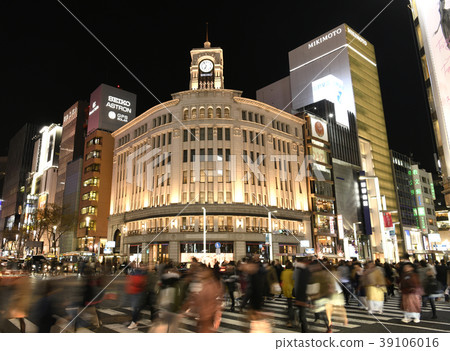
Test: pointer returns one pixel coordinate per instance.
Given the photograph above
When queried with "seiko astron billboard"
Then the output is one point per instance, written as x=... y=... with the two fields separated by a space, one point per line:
x=110 y=108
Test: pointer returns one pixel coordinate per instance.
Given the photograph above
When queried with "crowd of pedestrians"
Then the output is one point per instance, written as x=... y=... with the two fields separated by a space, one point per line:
x=203 y=292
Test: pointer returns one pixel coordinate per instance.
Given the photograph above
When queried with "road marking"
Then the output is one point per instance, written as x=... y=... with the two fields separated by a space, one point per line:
x=30 y=327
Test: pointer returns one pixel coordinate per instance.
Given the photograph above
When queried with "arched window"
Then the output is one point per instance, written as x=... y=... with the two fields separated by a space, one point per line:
x=186 y=114
x=227 y=112
x=210 y=112
x=194 y=113
x=218 y=112
x=202 y=112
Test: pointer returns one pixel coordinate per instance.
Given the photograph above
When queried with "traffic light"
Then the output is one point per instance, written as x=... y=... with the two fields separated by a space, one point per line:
x=282 y=231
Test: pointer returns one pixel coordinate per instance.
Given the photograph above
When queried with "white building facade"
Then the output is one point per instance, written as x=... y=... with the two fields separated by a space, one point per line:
x=209 y=154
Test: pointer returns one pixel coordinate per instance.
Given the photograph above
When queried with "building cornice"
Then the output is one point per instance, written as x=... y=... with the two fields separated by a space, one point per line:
x=264 y=106
x=211 y=209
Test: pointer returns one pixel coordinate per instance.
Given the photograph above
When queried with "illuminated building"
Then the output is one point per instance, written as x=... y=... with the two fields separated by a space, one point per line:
x=69 y=171
x=340 y=66
x=109 y=109
x=188 y=154
x=416 y=195
x=43 y=176
x=340 y=226
x=432 y=32
x=72 y=142
x=20 y=157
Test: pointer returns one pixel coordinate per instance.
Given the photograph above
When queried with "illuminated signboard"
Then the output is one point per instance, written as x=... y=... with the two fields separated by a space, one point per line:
x=304 y=243
x=340 y=223
x=319 y=155
x=408 y=240
x=434 y=238
x=421 y=211
x=110 y=108
x=332 y=225
x=319 y=128
x=331 y=88
x=434 y=26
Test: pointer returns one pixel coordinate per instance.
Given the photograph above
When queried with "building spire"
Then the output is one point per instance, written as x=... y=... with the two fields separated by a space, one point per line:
x=207 y=44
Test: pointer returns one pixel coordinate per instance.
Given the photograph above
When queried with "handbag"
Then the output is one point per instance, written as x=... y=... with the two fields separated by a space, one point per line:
x=275 y=289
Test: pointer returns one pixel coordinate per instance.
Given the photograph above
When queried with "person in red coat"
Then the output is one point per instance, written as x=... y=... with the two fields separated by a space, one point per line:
x=136 y=284
x=411 y=294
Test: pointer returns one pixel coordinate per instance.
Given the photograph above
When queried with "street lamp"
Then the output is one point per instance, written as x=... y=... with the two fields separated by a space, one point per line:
x=270 y=235
x=87 y=233
x=204 y=234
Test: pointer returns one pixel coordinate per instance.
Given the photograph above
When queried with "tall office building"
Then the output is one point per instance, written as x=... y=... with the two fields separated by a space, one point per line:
x=72 y=144
x=20 y=157
x=109 y=109
x=432 y=28
x=340 y=66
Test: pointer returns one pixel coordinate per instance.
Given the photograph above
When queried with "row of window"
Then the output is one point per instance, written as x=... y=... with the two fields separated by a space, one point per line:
x=207 y=175
x=90 y=195
x=92 y=210
x=207 y=134
x=250 y=116
x=93 y=154
x=95 y=167
x=283 y=127
x=253 y=137
x=161 y=139
x=161 y=120
x=209 y=157
x=94 y=141
x=125 y=139
x=141 y=130
x=94 y=181
x=205 y=113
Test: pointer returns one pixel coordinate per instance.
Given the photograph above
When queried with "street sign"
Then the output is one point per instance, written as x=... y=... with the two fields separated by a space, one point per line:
x=267 y=239
x=217 y=245
x=218 y=251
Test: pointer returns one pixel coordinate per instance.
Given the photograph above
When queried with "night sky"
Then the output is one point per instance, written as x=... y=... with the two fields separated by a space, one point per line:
x=50 y=60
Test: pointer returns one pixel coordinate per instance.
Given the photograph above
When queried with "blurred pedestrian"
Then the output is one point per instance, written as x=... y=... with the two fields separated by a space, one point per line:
x=20 y=299
x=45 y=308
x=337 y=300
x=430 y=286
x=273 y=287
x=411 y=294
x=302 y=277
x=375 y=285
x=278 y=268
x=136 y=284
x=206 y=302
x=320 y=289
x=170 y=299
x=92 y=295
x=230 y=281
x=360 y=289
x=343 y=272
x=287 y=285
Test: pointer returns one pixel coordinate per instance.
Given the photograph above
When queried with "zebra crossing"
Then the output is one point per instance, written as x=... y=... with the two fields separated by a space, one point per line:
x=116 y=320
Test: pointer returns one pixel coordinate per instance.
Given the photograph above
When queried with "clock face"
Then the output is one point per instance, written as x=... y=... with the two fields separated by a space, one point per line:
x=206 y=66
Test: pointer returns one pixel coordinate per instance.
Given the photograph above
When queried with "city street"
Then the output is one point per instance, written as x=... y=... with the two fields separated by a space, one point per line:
x=116 y=315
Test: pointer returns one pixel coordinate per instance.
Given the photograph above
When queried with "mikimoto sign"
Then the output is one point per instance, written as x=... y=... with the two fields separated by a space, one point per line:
x=110 y=108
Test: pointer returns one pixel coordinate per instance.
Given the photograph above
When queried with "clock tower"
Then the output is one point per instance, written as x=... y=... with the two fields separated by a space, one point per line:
x=206 y=68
